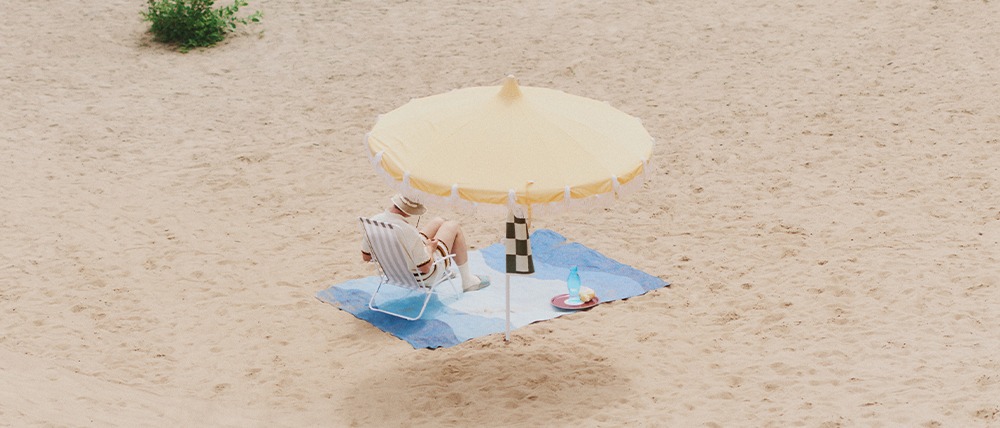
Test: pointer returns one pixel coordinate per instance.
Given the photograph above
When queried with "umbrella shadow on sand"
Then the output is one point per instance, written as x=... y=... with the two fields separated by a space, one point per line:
x=502 y=384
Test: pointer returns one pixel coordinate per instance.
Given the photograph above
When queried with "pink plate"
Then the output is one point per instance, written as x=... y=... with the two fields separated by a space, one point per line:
x=560 y=302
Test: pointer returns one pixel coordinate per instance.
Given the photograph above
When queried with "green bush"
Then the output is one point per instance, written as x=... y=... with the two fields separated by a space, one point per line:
x=193 y=23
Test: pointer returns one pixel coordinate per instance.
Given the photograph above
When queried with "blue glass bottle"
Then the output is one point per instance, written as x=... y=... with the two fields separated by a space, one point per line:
x=573 y=285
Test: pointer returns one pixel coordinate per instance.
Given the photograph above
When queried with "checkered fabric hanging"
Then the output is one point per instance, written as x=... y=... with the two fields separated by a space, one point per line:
x=518 y=246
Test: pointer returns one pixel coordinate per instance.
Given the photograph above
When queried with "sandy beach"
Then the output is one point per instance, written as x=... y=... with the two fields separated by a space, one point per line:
x=826 y=205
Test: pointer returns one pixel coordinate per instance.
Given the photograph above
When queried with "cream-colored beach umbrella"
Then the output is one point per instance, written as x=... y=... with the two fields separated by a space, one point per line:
x=510 y=148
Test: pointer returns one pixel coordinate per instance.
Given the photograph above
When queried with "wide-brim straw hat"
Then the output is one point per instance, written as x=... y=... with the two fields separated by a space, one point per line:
x=408 y=206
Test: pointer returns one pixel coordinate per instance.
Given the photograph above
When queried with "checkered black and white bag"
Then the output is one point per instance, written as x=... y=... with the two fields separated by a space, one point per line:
x=518 y=246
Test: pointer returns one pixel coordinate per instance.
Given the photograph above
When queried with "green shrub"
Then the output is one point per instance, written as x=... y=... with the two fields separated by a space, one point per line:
x=193 y=23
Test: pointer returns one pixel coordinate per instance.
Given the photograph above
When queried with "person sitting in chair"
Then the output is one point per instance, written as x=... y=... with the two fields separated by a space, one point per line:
x=438 y=238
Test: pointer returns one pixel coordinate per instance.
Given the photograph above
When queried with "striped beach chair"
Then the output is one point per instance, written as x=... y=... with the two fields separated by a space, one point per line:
x=397 y=266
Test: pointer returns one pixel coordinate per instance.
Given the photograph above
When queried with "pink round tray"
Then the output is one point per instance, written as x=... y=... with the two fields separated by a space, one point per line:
x=560 y=302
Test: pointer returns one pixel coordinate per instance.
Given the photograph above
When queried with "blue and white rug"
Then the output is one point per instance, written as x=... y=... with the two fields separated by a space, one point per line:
x=453 y=317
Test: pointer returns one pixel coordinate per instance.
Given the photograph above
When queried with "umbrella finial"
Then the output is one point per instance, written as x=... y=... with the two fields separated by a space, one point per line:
x=510 y=90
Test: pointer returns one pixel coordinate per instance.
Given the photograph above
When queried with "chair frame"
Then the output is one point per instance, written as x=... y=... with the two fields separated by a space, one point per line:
x=396 y=265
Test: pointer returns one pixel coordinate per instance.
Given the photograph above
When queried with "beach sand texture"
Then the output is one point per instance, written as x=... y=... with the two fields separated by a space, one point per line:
x=826 y=204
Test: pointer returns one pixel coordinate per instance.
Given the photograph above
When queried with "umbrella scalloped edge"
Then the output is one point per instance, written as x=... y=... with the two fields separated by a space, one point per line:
x=454 y=202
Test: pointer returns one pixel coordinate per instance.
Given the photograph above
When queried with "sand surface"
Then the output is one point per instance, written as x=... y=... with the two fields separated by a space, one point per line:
x=826 y=205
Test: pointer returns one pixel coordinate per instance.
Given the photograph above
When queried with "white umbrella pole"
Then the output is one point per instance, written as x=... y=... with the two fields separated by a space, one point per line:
x=507 y=334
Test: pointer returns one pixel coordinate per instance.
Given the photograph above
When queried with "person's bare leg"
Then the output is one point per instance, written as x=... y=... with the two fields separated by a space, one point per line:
x=431 y=228
x=451 y=234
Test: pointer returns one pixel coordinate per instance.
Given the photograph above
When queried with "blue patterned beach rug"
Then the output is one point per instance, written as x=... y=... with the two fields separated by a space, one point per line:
x=453 y=317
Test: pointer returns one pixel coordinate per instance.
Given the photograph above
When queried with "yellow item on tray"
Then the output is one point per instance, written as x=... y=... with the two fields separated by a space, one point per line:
x=587 y=294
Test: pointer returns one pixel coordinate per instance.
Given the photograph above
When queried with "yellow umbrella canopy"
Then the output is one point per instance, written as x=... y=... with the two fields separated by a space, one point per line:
x=509 y=146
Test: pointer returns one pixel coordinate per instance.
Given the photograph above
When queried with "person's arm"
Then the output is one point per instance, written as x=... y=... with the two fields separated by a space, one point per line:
x=429 y=246
x=426 y=267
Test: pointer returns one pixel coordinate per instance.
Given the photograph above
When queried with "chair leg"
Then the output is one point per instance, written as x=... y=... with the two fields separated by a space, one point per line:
x=450 y=275
x=427 y=299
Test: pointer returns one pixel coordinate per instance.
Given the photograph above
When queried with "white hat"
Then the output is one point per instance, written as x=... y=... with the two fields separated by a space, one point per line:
x=408 y=206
